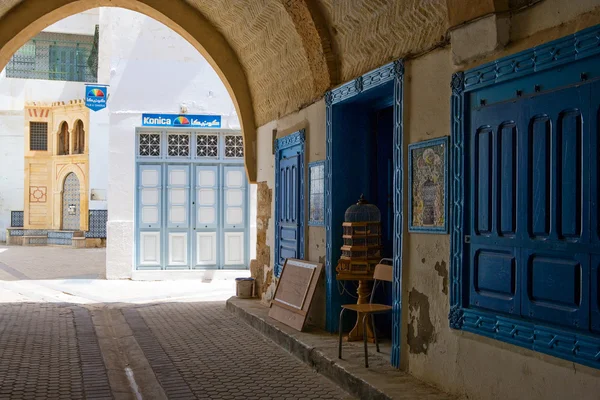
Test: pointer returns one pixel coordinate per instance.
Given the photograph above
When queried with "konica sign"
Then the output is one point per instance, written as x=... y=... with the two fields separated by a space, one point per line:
x=182 y=121
x=95 y=97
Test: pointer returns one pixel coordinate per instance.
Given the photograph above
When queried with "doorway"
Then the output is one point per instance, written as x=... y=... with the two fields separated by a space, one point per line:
x=289 y=199
x=192 y=201
x=71 y=203
x=364 y=156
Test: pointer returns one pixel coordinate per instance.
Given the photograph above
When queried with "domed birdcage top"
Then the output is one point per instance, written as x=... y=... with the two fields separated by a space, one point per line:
x=362 y=211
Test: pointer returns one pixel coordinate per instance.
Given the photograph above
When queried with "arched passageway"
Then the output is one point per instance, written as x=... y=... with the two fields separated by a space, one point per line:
x=254 y=99
x=288 y=54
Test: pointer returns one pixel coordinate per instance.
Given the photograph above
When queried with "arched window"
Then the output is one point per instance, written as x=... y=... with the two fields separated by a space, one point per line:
x=63 y=139
x=78 y=138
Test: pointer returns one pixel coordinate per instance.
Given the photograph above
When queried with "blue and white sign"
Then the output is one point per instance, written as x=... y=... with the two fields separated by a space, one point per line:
x=182 y=121
x=95 y=97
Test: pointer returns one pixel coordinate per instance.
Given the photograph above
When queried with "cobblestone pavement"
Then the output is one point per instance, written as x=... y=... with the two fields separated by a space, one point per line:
x=48 y=262
x=49 y=351
x=160 y=351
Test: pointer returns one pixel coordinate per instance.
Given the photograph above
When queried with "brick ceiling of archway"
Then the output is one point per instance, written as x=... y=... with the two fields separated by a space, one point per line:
x=292 y=56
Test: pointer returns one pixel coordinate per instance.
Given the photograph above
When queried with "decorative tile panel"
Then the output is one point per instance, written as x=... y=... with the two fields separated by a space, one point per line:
x=60 y=238
x=16 y=219
x=149 y=145
x=234 y=146
x=35 y=232
x=207 y=146
x=37 y=194
x=178 y=145
x=97 y=224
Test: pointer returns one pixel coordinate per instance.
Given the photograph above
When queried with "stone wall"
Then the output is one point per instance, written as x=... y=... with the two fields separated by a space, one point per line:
x=260 y=268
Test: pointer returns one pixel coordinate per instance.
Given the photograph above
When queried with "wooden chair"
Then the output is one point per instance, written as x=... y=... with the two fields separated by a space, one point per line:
x=382 y=272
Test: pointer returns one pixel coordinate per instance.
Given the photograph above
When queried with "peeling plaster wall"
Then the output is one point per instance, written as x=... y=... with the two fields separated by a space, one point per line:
x=312 y=120
x=459 y=362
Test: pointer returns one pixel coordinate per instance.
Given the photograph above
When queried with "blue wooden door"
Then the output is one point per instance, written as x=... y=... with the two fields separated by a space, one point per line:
x=289 y=209
x=530 y=249
x=494 y=232
x=555 y=199
x=594 y=171
x=178 y=221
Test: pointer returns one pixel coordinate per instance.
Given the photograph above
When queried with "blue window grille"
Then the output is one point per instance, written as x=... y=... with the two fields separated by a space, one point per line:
x=525 y=243
x=316 y=195
x=16 y=219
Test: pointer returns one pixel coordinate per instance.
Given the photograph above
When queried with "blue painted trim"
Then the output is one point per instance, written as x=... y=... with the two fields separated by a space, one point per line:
x=390 y=72
x=574 y=346
x=577 y=347
x=296 y=139
x=583 y=44
x=365 y=82
x=458 y=195
x=413 y=146
x=398 y=211
x=312 y=222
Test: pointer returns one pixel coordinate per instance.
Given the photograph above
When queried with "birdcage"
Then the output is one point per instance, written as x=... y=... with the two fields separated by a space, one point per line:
x=362 y=241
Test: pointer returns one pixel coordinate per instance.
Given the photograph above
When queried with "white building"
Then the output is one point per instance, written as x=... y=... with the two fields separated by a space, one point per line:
x=185 y=209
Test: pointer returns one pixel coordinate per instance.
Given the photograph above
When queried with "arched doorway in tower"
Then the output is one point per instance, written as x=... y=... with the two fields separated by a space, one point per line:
x=71 y=203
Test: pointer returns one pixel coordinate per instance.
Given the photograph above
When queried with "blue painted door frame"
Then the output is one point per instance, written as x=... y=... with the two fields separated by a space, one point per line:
x=389 y=75
x=289 y=198
x=548 y=94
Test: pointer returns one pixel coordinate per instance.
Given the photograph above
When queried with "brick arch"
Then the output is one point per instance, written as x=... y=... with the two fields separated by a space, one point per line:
x=28 y=17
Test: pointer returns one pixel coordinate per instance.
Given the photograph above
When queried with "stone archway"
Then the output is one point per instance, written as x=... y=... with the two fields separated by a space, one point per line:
x=255 y=64
x=28 y=17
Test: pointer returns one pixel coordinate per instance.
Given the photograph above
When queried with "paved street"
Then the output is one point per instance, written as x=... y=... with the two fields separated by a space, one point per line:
x=157 y=351
x=65 y=334
x=48 y=262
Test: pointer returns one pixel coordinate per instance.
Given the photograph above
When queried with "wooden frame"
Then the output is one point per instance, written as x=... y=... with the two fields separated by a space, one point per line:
x=295 y=290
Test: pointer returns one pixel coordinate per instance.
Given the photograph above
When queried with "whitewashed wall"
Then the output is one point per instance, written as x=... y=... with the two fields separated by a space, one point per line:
x=151 y=70
x=79 y=24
